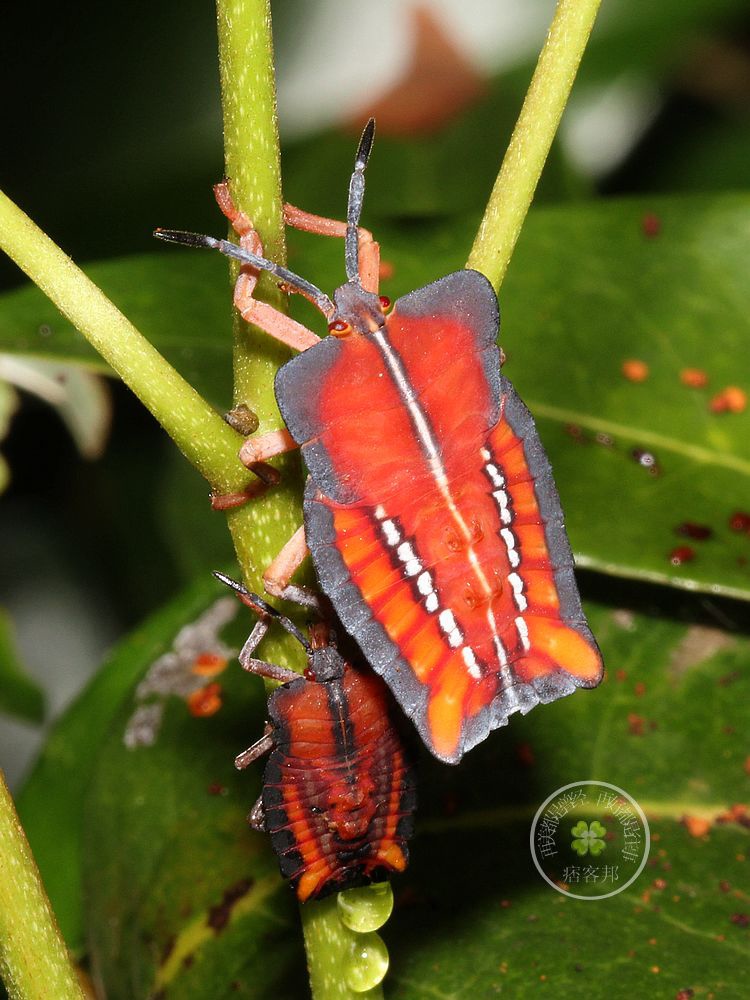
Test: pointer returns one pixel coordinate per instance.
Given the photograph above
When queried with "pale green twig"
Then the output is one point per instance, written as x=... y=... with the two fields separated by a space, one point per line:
x=532 y=137
x=34 y=961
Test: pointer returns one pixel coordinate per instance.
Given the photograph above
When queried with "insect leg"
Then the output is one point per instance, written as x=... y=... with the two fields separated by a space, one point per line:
x=251 y=454
x=277 y=576
x=369 y=250
x=257 y=817
x=270 y=320
x=267 y=476
x=264 y=744
x=257 y=449
x=261 y=667
x=282 y=328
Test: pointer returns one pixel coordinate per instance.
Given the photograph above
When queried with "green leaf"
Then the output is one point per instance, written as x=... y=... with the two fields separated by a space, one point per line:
x=20 y=696
x=674 y=301
x=182 y=897
x=586 y=291
x=51 y=802
x=183 y=307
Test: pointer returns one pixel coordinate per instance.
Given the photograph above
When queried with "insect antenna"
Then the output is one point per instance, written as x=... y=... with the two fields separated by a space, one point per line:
x=229 y=249
x=354 y=207
x=260 y=607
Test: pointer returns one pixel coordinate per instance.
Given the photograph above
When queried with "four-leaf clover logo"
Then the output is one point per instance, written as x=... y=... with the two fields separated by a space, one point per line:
x=587 y=838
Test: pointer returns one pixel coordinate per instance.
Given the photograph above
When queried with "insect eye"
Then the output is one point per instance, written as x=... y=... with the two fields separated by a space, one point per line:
x=385 y=303
x=340 y=328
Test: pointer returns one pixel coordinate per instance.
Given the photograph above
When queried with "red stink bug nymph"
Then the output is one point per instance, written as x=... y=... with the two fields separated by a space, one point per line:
x=338 y=788
x=431 y=513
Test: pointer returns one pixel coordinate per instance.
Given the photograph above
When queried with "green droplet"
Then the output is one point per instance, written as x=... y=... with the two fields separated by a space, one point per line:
x=367 y=908
x=367 y=963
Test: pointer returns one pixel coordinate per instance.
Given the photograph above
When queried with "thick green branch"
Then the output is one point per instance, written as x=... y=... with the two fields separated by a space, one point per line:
x=199 y=432
x=34 y=961
x=532 y=137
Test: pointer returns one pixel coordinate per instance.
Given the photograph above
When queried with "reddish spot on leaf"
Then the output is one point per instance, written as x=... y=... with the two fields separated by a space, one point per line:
x=635 y=724
x=650 y=225
x=682 y=554
x=737 y=813
x=724 y=885
x=576 y=432
x=660 y=883
x=696 y=826
x=218 y=916
x=740 y=521
x=684 y=994
x=729 y=400
x=740 y=919
x=694 y=378
x=697 y=532
x=640 y=689
x=635 y=370
x=205 y=701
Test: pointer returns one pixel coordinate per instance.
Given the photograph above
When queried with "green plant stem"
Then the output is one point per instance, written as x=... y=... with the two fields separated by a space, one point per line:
x=199 y=432
x=34 y=961
x=333 y=947
x=253 y=168
x=532 y=137
x=252 y=162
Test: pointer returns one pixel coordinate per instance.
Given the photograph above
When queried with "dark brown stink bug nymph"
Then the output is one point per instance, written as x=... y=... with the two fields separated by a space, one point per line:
x=338 y=788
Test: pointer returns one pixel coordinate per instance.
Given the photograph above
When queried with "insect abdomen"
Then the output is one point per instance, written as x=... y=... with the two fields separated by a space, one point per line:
x=338 y=789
